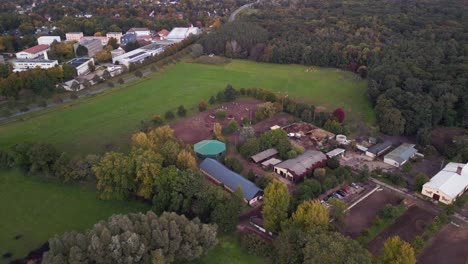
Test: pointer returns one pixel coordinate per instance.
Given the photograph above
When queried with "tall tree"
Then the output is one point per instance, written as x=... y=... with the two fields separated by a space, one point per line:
x=311 y=215
x=148 y=165
x=398 y=251
x=114 y=173
x=275 y=206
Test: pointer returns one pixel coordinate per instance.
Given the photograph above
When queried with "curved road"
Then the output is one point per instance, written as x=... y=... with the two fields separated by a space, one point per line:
x=232 y=17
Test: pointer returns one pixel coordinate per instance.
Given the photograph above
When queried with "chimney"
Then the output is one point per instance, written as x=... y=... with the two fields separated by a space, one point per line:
x=459 y=170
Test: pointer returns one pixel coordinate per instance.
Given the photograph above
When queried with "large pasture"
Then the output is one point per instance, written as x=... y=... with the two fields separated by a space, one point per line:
x=105 y=121
x=33 y=210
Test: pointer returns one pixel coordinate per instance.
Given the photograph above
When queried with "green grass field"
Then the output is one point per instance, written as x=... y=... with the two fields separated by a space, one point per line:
x=91 y=124
x=228 y=251
x=36 y=210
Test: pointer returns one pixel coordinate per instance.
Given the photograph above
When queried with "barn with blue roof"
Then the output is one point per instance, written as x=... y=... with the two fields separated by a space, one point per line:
x=231 y=180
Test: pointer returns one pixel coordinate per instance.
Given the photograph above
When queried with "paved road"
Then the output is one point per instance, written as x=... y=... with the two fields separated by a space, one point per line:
x=232 y=17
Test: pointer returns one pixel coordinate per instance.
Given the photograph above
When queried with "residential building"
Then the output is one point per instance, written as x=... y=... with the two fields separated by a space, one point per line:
x=74 y=36
x=93 y=46
x=81 y=65
x=378 y=149
x=264 y=155
x=138 y=55
x=231 y=180
x=103 y=40
x=48 y=40
x=127 y=38
x=178 y=34
x=33 y=52
x=297 y=168
x=139 y=31
x=448 y=184
x=209 y=149
x=400 y=155
x=116 y=35
x=27 y=64
x=117 y=52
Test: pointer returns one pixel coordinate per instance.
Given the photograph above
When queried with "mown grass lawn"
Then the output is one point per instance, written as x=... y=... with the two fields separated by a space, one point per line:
x=36 y=209
x=105 y=121
x=228 y=251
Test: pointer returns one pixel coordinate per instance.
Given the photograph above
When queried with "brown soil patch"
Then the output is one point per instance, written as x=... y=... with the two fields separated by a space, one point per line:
x=449 y=246
x=411 y=224
x=362 y=215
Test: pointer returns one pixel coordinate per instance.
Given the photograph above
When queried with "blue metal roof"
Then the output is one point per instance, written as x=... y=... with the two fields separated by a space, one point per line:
x=229 y=178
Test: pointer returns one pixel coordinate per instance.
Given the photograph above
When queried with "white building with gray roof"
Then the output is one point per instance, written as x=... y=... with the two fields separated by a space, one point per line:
x=400 y=155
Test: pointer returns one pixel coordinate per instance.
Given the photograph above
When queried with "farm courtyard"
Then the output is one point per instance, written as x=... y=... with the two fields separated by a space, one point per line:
x=105 y=121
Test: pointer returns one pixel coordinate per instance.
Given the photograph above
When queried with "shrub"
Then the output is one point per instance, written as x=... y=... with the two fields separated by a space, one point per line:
x=42 y=103
x=256 y=246
x=157 y=120
x=291 y=154
x=234 y=164
x=181 y=111
x=138 y=74
x=110 y=84
x=333 y=163
x=169 y=115
x=202 y=106
x=339 y=114
x=24 y=109
x=407 y=167
x=73 y=96
x=388 y=212
x=220 y=114
x=120 y=81
x=231 y=127
x=212 y=100
x=421 y=179
x=57 y=99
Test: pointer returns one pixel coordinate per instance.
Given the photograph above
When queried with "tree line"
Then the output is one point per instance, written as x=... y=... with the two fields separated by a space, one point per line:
x=417 y=76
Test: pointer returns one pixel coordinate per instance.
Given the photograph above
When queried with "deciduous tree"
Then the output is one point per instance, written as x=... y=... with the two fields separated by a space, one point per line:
x=276 y=204
x=311 y=215
x=114 y=173
x=398 y=251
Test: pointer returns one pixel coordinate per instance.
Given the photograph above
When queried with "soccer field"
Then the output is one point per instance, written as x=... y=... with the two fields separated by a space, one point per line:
x=105 y=121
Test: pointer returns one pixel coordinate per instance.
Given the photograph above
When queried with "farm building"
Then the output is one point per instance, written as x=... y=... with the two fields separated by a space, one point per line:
x=448 y=184
x=231 y=180
x=295 y=169
x=400 y=155
x=210 y=149
x=270 y=163
x=264 y=155
x=378 y=149
x=338 y=152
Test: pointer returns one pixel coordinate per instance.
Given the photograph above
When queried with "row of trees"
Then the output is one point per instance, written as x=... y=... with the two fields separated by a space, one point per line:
x=134 y=238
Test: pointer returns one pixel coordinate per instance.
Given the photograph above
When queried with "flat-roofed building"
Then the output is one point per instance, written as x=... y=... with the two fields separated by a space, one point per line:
x=103 y=40
x=117 y=52
x=93 y=46
x=138 y=55
x=378 y=149
x=179 y=33
x=264 y=155
x=48 y=40
x=116 y=35
x=74 y=36
x=27 y=64
x=139 y=31
x=128 y=38
x=81 y=65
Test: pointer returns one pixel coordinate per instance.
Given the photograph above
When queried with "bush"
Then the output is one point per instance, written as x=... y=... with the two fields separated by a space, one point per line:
x=5 y=113
x=251 y=176
x=42 y=103
x=138 y=74
x=120 y=81
x=169 y=115
x=212 y=100
x=388 y=212
x=181 y=111
x=333 y=163
x=110 y=84
x=407 y=167
x=256 y=246
x=73 y=96
x=234 y=164
x=291 y=154
x=157 y=120
x=57 y=99
x=202 y=106
x=220 y=114
x=24 y=109
x=421 y=179
x=231 y=127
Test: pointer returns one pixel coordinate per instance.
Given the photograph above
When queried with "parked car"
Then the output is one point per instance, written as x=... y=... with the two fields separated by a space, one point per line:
x=342 y=193
x=345 y=190
x=354 y=185
x=325 y=203
x=336 y=195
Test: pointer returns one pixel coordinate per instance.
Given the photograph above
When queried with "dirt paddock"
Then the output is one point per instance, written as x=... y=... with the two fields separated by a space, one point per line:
x=449 y=246
x=411 y=224
x=363 y=214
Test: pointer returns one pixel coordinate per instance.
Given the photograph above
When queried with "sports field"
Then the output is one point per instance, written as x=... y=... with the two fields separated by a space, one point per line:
x=105 y=121
x=33 y=210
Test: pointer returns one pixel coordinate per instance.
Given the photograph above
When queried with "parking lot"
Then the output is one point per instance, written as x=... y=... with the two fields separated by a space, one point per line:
x=361 y=216
x=449 y=246
x=411 y=224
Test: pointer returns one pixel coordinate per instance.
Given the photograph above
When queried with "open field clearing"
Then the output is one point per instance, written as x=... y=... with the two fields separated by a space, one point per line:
x=105 y=121
x=33 y=210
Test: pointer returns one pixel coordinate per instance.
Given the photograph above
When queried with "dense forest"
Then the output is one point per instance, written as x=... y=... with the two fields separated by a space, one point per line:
x=413 y=52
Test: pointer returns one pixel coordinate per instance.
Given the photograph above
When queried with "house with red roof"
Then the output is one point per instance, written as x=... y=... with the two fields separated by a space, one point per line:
x=34 y=52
